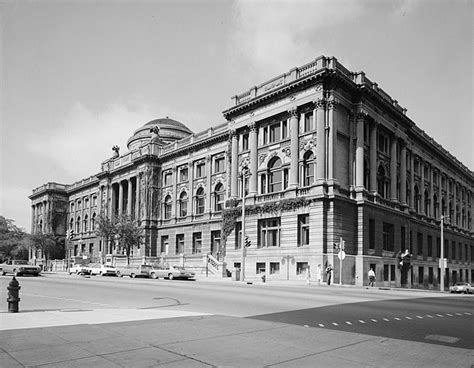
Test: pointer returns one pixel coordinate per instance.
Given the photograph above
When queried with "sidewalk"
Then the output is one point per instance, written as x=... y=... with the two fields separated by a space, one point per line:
x=161 y=338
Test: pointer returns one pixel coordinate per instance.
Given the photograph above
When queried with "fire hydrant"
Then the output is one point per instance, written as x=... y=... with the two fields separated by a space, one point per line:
x=13 y=295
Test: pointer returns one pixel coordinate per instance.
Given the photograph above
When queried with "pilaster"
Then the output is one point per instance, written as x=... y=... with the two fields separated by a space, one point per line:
x=253 y=159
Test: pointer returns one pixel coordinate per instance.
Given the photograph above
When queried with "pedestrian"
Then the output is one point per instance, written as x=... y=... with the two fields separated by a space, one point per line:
x=308 y=275
x=319 y=274
x=329 y=273
x=371 y=277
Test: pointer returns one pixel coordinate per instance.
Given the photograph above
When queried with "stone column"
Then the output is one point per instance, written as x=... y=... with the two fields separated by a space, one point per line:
x=332 y=141
x=431 y=193
x=120 y=204
x=351 y=151
x=235 y=165
x=209 y=190
x=110 y=189
x=403 y=174
x=393 y=169
x=191 y=189
x=33 y=219
x=360 y=152
x=174 y=203
x=440 y=195
x=129 y=197
x=253 y=159
x=137 y=196
x=43 y=213
x=320 y=140
x=412 y=181
x=422 y=187
x=294 y=131
x=373 y=158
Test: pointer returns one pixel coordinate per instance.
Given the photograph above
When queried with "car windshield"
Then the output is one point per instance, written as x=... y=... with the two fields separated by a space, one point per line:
x=178 y=268
x=460 y=284
x=21 y=262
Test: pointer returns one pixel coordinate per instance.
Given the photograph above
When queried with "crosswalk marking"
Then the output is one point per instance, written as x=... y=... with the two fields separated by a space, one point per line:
x=349 y=323
x=408 y=318
x=429 y=316
x=398 y=319
x=373 y=320
x=449 y=314
x=458 y=314
x=439 y=315
x=361 y=321
x=386 y=320
x=335 y=324
x=420 y=317
x=467 y=313
x=321 y=325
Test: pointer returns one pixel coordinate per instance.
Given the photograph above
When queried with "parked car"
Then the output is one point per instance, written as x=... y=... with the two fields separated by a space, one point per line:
x=79 y=269
x=19 y=267
x=103 y=270
x=134 y=271
x=171 y=272
x=461 y=287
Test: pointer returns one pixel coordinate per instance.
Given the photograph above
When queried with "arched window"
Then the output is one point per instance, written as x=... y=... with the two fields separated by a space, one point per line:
x=200 y=201
x=275 y=177
x=183 y=204
x=436 y=207
x=458 y=216
x=78 y=225
x=417 y=199
x=85 y=225
x=427 y=203
x=308 y=169
x=381 y=182
x=93 y=222
x=219 y=197
x=71 y=224
x=167 y=207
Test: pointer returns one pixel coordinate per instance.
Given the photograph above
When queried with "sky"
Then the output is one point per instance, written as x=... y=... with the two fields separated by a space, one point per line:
x=79 y=76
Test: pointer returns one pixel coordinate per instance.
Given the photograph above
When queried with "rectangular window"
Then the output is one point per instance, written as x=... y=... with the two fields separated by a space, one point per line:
x=430 y=246
x=183 y=174
x=446 y=248
x=167 y=179
x=269 y=233
x=371 y=234
x=284 y=129
x=388 y=236
x=420 y=275
x=301 y=268
x=392 y=272
x=308 y=122
x=453 y=250
x=274 y=268
x=303 y=230
x=245 y=142
x=419 y=243
x=430 y=275
x=265 y=135
x=438 y=247
x=274 y=133
x=197 y=243
x=238 y=235
x=385 y=272
x=164 y=244
x=179 y=243
x=215 y=242
x=200 y=170
x=260 y=267
x=91 y=248
x=219 y=165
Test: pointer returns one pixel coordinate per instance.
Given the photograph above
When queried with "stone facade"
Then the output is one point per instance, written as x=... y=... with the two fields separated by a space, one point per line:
x=322 y=153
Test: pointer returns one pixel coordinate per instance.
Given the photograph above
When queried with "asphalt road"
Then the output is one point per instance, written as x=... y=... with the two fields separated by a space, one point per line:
x=408 y=315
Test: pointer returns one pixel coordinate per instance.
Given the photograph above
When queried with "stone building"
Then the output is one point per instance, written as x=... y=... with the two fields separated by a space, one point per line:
x=327 y=161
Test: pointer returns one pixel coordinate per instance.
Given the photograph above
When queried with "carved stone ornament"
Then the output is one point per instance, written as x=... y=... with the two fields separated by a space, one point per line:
x=262 y=157
x=307 y=145
x=244 y=162
x=292 y=98
x=320 y=104
x=332 y=105
x=253 y=126
x=318 y=88
x=286 y=151
x=294 y=113
x=232 y=133
x=116 y=150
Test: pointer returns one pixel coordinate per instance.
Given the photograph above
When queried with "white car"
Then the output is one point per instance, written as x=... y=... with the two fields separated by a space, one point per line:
x=79 y=269
x=461 y=287
x=172 y=272
x=103 y=270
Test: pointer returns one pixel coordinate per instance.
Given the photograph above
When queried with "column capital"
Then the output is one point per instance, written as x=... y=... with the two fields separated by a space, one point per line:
x=253 y=126
x=332 y=104
x=233 y=133
x=294 y=113
x=320 y=103
x=361 y=115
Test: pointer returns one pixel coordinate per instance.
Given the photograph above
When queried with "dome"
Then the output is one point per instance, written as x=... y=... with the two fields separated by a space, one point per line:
x=169 y=131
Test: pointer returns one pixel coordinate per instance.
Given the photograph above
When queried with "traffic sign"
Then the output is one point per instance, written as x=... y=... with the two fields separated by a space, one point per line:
x=443 y=261
x=341 y=255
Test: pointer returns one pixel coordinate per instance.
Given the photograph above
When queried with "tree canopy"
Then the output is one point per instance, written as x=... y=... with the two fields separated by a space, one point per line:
x=12 y=240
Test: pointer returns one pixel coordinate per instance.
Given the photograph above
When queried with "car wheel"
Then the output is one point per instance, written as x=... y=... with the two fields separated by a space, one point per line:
x=16 y=273
x=101 y=274
x=3 y=273
x=153 y=275
x=170 y=276
x=132 y=275
x=119 y=274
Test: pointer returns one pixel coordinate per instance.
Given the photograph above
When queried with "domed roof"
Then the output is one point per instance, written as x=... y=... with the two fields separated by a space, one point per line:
x=169 y=131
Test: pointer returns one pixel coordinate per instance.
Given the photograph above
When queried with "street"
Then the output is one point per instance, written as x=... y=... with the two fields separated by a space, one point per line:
x=428 y=317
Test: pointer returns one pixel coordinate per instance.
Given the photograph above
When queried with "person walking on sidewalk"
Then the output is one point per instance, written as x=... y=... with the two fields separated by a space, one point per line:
x=329 y=273
x=319 y=274
x=308 y=276
x=371 y=277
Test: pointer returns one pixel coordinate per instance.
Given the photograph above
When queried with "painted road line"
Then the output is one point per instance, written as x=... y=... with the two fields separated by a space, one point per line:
x=420 y=317
x=398 y=319
x=450 y=315
x=361 y=321
x=440 y=315
x=349 y=323
x=373 y=320
x=408 y=318
x=321 y=325
x=429 y=316
x=335 y=324
x=386 y=320
x=467 y=313
x=458 y=314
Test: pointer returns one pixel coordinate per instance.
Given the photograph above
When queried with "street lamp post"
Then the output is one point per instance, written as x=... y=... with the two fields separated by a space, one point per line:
x=243 y=172
x=441 y=261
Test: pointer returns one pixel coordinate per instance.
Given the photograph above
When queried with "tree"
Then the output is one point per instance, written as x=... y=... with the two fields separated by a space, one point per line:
x=49 y=245
x=129 y=234
x=12 y=240
x=106 y=229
